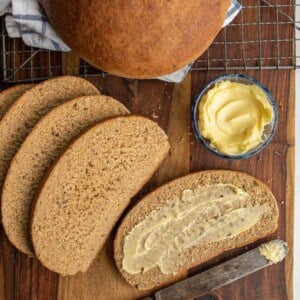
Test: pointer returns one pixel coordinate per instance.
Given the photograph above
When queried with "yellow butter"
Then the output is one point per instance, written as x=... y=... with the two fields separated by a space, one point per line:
x=274 y=251
x=204 y=215
x=233 y=117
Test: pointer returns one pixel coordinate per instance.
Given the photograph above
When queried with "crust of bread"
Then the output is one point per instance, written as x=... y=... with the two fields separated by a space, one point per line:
x=153 y=278
x=138 y=39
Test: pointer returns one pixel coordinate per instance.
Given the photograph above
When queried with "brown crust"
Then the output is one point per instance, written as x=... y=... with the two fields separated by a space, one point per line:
x=40 y=85
x=138 y=39
x=34 y=203
x=154 y=279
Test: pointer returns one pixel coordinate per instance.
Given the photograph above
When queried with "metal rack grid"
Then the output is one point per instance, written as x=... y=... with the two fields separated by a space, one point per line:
x=261 y=37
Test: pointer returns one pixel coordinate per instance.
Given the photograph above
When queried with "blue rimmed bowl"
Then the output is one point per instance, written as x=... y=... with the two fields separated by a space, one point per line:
x=269 y=130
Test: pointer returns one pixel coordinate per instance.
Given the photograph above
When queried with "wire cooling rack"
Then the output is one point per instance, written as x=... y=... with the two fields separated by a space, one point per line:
x=261 y=37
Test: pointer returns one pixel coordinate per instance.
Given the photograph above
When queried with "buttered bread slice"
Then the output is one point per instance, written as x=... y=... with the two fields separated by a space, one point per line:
x=37 y=153
x=88 y=188
x=189 y=221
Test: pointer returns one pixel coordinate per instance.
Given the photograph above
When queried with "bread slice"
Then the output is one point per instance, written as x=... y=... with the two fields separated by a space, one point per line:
x=10 y=95
x=31 y=107
x=39 y=150
x=89 y=187
x=204 y=245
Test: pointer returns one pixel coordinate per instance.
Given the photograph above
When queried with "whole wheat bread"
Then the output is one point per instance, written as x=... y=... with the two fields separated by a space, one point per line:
x=154 y=278
x=156 y=37
x=88 y=188
x=10 y=95
x=39 y=150
x=32 y=106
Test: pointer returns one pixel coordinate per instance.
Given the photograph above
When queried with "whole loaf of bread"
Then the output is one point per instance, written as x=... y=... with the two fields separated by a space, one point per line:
x=138 y=39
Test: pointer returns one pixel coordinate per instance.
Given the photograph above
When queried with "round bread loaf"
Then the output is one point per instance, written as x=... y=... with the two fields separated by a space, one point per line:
x=138 y=39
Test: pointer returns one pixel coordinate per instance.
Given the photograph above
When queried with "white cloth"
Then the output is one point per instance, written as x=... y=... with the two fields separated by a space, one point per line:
x=25 y=19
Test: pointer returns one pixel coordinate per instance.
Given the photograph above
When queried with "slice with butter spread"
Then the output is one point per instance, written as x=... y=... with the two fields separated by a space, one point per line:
x=190 y=220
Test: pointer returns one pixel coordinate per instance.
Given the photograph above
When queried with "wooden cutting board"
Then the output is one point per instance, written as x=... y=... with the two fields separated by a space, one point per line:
x=168 y=104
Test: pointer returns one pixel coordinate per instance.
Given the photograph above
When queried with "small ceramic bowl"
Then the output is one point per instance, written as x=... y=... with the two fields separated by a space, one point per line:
x=269 y=129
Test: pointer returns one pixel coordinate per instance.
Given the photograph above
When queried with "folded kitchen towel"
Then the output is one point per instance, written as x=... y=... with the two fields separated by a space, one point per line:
x=25 y=19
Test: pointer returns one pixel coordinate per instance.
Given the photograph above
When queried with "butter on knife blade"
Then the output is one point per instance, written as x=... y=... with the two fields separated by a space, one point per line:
x=225 y=273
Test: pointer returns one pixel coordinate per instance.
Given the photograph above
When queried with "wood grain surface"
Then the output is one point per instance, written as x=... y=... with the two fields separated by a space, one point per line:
x=169 y=105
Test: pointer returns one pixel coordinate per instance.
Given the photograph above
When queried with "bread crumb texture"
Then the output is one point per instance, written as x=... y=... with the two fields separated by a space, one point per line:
x=10 y=95
x=89 y=187
x=35 y=103
x=41 y=148
x=257 y=195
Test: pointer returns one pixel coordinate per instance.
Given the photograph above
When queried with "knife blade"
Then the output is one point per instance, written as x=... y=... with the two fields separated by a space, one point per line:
x=225 y=273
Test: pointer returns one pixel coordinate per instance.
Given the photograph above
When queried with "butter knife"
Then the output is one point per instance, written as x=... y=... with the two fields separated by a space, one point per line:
x=225 y=273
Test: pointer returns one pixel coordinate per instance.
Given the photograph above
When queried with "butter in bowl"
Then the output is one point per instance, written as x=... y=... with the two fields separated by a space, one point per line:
x=235 y=116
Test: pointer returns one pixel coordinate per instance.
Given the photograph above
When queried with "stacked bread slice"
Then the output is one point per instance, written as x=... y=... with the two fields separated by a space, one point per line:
x=27 y=110
x=71 y=160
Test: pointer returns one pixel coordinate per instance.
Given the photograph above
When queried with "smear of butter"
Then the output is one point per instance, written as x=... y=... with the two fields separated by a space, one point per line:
x=204 y=215
x=275 y=251
x=233 y=116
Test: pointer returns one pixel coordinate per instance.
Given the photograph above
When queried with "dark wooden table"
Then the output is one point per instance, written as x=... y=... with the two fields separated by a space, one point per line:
x=169 y=104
